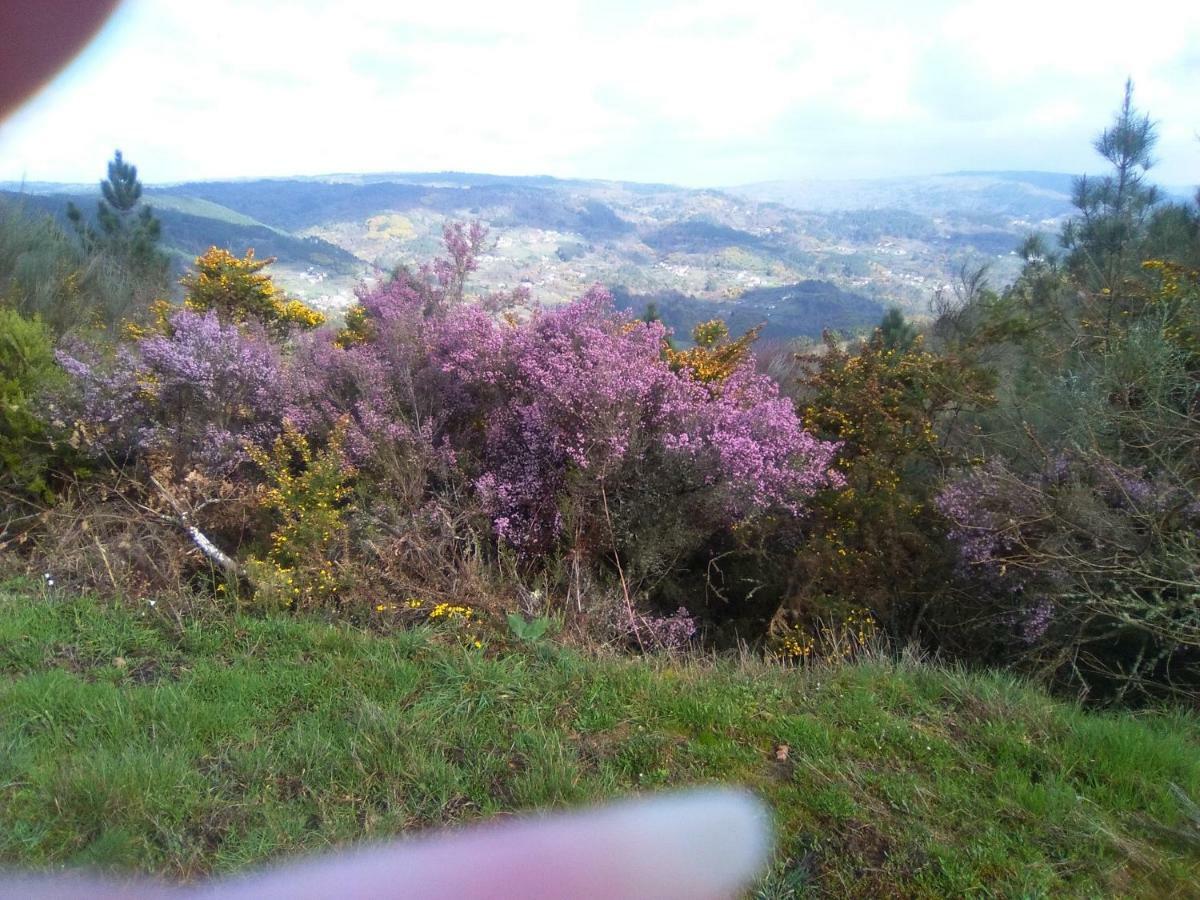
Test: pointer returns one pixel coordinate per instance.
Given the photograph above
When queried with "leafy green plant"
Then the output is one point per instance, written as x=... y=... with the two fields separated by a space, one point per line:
x=528 y=630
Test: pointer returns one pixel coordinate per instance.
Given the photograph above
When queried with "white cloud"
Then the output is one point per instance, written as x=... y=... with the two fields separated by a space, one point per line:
x=696 y=92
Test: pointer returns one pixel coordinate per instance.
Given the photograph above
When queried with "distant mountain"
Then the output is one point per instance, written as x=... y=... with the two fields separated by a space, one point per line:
x=1035 y=198
x=293 y=204
x=799 y=256
x=995 y=197
x=44 y=187
x=1055 y=182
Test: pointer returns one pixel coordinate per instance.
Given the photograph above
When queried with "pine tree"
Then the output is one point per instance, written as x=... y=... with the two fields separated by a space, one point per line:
x=129 y=229
x=1102 y=242
x=896 y=332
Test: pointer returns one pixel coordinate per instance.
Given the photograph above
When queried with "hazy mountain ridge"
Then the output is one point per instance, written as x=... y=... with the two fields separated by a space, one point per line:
x=863 y=244
x=1032 y=197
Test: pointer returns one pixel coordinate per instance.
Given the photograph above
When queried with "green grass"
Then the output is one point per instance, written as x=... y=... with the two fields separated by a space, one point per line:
x=138 y=740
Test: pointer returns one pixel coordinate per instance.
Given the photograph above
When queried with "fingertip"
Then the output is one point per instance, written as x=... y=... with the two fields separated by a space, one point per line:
x=703 y=843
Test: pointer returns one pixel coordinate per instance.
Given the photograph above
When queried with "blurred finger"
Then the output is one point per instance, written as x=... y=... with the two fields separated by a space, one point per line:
x=703 y=844
x=39 y=38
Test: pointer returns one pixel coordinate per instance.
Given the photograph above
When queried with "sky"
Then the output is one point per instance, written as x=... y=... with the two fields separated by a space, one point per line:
x=696 y=93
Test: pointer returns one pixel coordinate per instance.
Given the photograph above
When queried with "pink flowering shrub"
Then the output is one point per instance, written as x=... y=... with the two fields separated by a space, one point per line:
x=384 y=372
x=553 y=417
x=984 y=507
x=370 y=384
x=557 y=438
x=566 y=427
x=577 y=410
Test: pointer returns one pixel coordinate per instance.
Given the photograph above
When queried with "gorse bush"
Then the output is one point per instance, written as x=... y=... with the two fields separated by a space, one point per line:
x=306 y=492
x=1175 y=297
x=877 y=544
x=714 y=357
x=238 y=291
x=1080 y=551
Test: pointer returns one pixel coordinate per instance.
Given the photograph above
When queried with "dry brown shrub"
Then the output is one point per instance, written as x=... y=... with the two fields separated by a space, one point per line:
x=436 y=553
x=119 y=533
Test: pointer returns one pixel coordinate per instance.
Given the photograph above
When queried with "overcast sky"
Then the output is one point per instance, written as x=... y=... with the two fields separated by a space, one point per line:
x=692 y=92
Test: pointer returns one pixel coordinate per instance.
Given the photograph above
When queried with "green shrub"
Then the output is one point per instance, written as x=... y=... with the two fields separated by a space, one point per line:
x=877 y=545
x=27 y=369
x=44 y=272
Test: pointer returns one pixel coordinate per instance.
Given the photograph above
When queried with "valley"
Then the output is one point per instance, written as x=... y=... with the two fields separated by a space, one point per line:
x=797 y=256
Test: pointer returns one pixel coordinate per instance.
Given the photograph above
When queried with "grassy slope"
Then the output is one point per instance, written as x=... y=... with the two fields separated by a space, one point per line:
x=194 y=206
x=143 y=741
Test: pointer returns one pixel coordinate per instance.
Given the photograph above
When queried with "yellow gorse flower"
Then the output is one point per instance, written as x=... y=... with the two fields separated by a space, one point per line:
x=714 y=358
x=239 y=291
x=306 y=490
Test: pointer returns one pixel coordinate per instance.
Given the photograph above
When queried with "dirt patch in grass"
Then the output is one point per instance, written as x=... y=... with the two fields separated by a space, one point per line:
x=857 y=859
x=594 y=747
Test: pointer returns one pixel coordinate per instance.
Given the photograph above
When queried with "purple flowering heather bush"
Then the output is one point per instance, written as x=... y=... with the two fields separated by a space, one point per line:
x=162 y=424
x=558 y=437
x=387 y=370
x=581 y=415
x=195 y=394
x=1092 y=563
x=371 y=384
x=103 y=397
x=986 y=508
x=544 y=413
x=566 y=427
